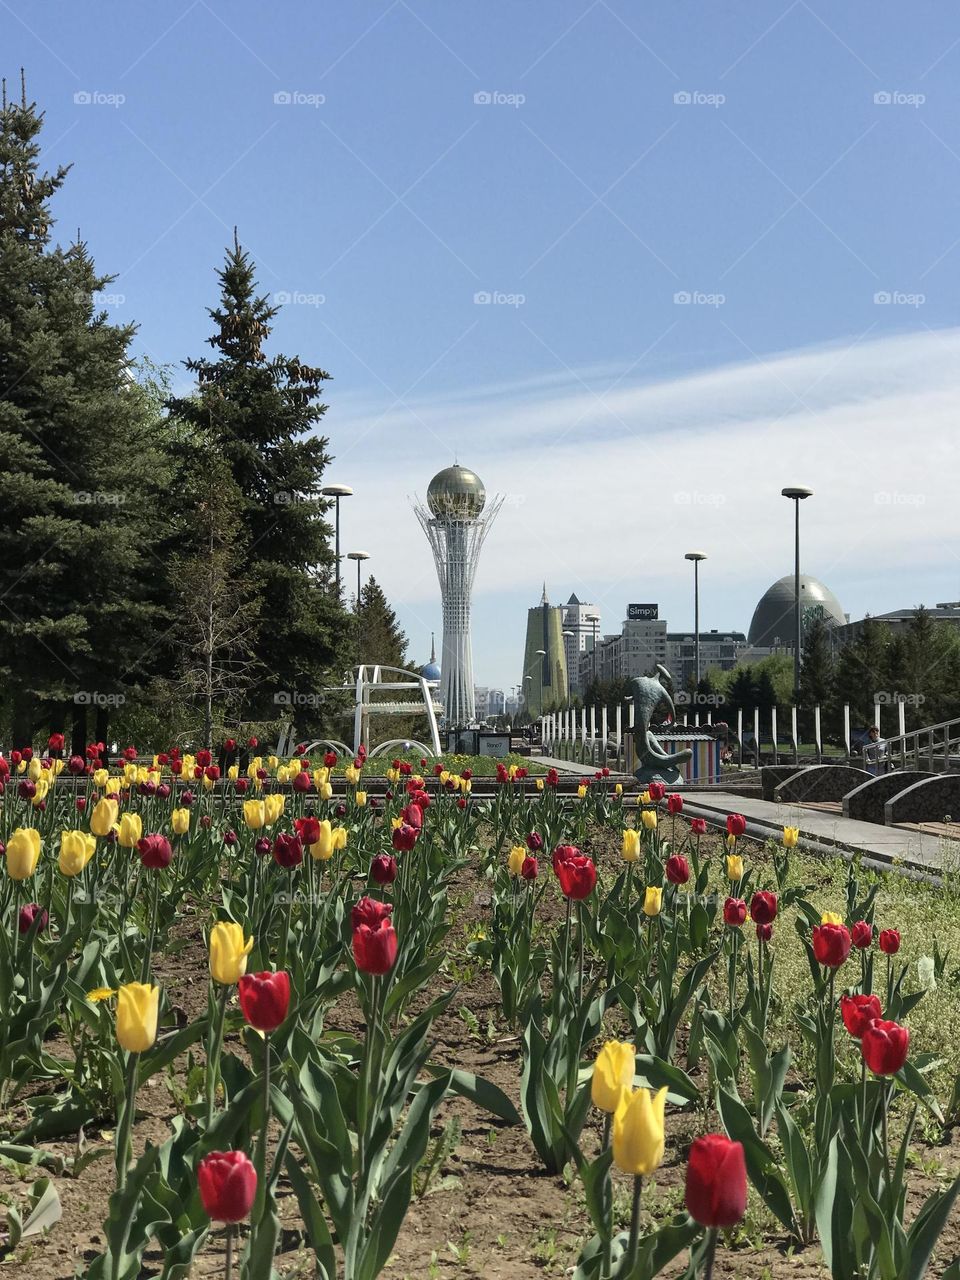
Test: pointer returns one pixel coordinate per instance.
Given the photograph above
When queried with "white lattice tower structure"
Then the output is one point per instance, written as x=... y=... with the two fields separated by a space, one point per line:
x=456 y=524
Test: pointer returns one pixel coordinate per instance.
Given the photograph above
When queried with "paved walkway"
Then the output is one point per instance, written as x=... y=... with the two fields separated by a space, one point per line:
x=906 y=846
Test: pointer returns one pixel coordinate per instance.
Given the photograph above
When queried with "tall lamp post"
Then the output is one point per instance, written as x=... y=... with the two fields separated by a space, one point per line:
x=336 y=492
x=359 y=556
x=796 y=493
x=696 y=557
x=541 y=654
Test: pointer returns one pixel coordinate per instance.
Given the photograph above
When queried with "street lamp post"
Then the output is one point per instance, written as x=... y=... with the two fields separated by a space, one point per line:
x=336 y=492
x=796 y=493
x=359 y=556
x=696 y=557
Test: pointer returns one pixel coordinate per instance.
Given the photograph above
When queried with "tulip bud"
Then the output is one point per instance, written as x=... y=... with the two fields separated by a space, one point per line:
x=156 y=852
x=862 y=934
x=264 y=999
x=638 y=1131
x=530 y=869
x=28 y=914
x=889 y=941
x=138 y=1006
x=716 y=1191
x=884 y=1046
x=677 y=869
x=227 y=1181
x=228 y=952
x=515 y=859
x=613 y=1072
x=652 y=900
x=383 y=869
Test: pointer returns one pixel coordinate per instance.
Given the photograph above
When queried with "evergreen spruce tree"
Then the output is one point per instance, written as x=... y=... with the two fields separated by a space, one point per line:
x=81 y=466
x=861 y=672
x=381 y=637
x=260 y=414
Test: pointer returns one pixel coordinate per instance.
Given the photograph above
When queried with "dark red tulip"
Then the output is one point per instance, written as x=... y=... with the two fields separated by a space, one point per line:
x=858 y=1012
x=156 y=852
x=229 y=839
x=383 y=869
x=253 y=743
x=764 y=932
x=262 y=846
x=76 y=765
x=370 y=912
x=301 y=781
x=375 y=947
x=287 y=850
x=577 y=875
x=862 y=934
x=530 y=868
x=330 y=759
x=674 y=803
x=884 y=1046
x=716 y=1194
x=308 y=829
x=677 y=869
x=186 y=798
x=28 y=914
x=228 y=1185
x=698 y=826
x=229 y=745
x=736 y=824
x=889 y=941
x=340 y=811
x=404 y=837
x=831 y=944
x=55 y=743
x=534 y=841
x=413 y=816
x=264 y=999
x=163 y=791
x=26 y=789
x=81 y=803
x=657 y=791
x=763 y=907
x=734 y=912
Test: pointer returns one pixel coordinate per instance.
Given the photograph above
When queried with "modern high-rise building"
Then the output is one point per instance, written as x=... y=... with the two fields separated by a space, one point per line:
x=544 y=658
x=581 y=629
x=456 y=520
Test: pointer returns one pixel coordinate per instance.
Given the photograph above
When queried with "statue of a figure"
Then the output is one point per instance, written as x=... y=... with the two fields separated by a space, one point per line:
x=653 y=763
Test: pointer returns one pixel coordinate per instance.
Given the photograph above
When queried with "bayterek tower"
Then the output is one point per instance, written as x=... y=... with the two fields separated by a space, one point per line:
x=456 y=520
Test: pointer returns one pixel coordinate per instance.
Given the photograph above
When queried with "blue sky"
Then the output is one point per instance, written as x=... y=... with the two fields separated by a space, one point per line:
x=721 y=243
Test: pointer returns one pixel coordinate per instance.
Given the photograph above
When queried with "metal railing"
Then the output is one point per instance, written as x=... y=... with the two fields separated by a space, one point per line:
x=934 y=748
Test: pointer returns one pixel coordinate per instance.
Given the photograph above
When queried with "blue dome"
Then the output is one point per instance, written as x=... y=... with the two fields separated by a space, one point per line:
x=430 y=671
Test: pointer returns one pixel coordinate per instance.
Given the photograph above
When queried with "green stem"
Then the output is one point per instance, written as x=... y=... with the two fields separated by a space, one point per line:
x=125 y=1125
x=607 y=1205
x=228 y=1266
x=884 y=1106
x=711 y=1253
x=216 y=1046
x=631 y=1261
x=16 y=922
x=580 y=961
x=260 y=1202
x=148 y=954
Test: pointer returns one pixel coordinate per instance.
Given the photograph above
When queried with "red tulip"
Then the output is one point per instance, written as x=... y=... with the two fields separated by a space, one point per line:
x=186 y=799
x=530 y=868
x=212 y=772
x=27 y=916
x=577 y=875
x=889 y=941
x=736 y=824
x=413 y=816
x=674 y=803
x=858 y=1012
x=55 y=742
x=657 y=791
x=239 y=785
x=156 y=852
x=763 y=907
x=383 y=869
x=831 y=944
x=562 y=852
x=375 y=947
x=308 y=829
x=253 y=743
x=81 y=803
x=677 y=869
x=26 y=790
x=228 y=1185
x=534 y=841
x=301 y=781
x=862 y=934
x=264 y=999
x=370 y=912
x=884 y=1046
x=330 y=759
x=76 y=765
x=764 y=932
x=229 y=745
x=404 y=837
x=287 y=850
x=716 y=1194
x=698 y=826
x=734 y=912
x=262 y=846
x=229 y=839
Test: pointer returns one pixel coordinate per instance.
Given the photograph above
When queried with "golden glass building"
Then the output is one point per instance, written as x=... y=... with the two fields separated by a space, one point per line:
x=545 y=685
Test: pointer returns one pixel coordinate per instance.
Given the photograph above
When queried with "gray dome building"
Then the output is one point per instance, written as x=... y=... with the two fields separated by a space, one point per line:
x=773 y=621
x=456 y=494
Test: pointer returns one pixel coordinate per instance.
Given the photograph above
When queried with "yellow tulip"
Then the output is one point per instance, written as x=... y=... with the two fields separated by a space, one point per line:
x=180 y=821
x=273 y=807
x=207 y=782
x=361 y=799
x=515 y=859
x=131 y=829
x=254 y=814
x=130 y=772
x=23 y=853
x=56 y=767
x=325 y=791
x=831 y=917
x=644 y=798
x=638 y=1137
x=582 y=790
x=618 y=789
x=255 y=764
x=340 y=837
x=272 y=762
x=734 y=866
x=323 y=848
x=76 y=850
x=649 y=819
x=392 y=775
x=731 y=840
x=228 y=952
x=101 y=777
x=42 y=786
x=34 y=769
x=138 y=1006
x=351 y=773
x=631 y=845
x=613 y=1072
x=233 y=772
x=790 y=837
x=283 y=774
x=103 y=817
x=652 y=900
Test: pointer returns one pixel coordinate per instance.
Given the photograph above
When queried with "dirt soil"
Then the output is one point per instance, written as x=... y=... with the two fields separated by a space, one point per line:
x=491 y=1212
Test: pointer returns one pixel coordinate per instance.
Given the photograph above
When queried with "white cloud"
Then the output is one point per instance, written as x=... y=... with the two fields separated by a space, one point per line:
x=609 y=482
